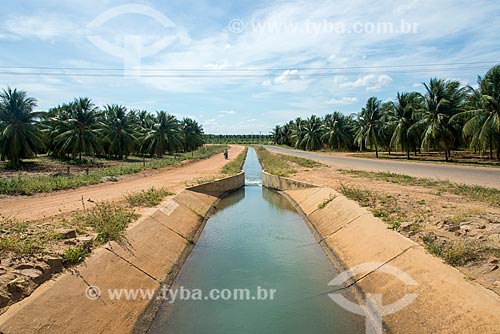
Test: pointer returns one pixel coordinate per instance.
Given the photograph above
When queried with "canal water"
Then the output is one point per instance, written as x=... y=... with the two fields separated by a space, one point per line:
x=255 y=240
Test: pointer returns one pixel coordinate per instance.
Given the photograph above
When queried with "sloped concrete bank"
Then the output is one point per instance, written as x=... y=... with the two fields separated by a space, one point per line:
x=149 y=257
x=446 y=302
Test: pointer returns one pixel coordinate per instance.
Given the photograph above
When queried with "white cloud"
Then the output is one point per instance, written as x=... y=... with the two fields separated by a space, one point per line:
x=371 y=82
x=45 y=27
x=286 y=76
x=227 y=112
x=266 y=83
x=211 y=121
x=343 y=101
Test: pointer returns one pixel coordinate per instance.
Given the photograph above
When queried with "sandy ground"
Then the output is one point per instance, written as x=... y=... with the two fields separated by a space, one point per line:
x=175 y=178
x=483 y=176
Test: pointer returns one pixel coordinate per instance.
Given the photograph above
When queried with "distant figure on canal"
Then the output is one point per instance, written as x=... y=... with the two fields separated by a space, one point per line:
x=226 y=154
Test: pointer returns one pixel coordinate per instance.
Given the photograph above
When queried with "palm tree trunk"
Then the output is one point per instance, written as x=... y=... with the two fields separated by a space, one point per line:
x=376 y=150
x=446 y=154
x=408 y=154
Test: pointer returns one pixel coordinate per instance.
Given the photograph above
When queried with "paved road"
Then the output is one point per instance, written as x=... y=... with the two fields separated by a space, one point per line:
x=483 y=176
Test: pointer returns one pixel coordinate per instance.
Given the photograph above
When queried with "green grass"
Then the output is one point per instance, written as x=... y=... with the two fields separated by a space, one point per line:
x=325 y=202
x=108 y=220
x=147 y=198
x=22 y=239
x=302 y=162
x=458 y=253
x=281 y=164
x=381 y=213
x=29 y=185
x=385 y=208
x=362 y=196
x=479 y=193
x=235 y=166
x=76 y=254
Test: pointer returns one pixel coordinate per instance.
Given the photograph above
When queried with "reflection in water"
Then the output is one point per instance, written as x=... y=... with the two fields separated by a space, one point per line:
x=278 y=201
x=234 y=198
x=255 y=239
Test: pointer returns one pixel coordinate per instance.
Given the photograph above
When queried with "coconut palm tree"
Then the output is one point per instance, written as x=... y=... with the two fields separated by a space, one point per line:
x=369 y=125
x=401 y=119
x=442 y=100
x=312 y=133
x=278 y=136
x=119 y=129
x=19 y=135
x=386 y=128
x=77 y=129
x=297 y=133
x=336 y=131
x=192 y=134
x=165 y=135
x=482 y=114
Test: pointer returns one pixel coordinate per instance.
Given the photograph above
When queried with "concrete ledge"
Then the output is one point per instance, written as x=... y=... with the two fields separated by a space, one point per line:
x=282 y=183
x=150 y=255
x=446 y=302
x=219 y=187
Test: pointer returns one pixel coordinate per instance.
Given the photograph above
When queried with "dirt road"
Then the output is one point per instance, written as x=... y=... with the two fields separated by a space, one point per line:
x=45 y=206
x=483 y=176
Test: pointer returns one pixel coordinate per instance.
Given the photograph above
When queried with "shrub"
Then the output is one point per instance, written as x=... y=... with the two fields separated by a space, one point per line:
x=108 y=220
x=147 y=198
x=76 y=254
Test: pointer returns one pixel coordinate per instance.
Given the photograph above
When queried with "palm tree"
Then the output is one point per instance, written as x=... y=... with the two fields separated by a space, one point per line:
x=482 y=114
x=369 y=125
x=278 y=136
x=402 y=118
x=165 y=135
x=297 y=132
x=386 y=128
x=19 y=135
x=336 y=131
x=192 y=133
x=77 y=129
x=312 y=130
x=442 y=100
x=119 y=130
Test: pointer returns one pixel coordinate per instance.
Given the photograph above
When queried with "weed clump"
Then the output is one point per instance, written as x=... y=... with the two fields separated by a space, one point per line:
x=147 y=198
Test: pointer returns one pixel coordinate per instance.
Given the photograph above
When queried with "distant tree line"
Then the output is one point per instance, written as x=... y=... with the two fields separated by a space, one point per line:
x=238 y=139
x=79 y=128
x=447 y=116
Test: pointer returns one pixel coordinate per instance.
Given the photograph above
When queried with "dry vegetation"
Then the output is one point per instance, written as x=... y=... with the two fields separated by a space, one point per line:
x=282 y=165
x=32 y=254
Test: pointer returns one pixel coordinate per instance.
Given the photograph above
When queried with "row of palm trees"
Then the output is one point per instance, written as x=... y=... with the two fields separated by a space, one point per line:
x=81 y=128
x=447 y=116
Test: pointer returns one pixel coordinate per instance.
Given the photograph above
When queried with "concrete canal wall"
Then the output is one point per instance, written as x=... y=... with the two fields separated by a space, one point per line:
x=446 y=302
x=149 y=256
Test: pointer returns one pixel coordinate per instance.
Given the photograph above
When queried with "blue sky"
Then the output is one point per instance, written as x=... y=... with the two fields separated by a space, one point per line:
x=242 y=67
